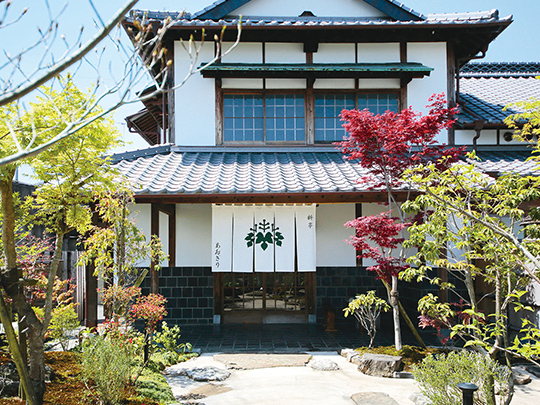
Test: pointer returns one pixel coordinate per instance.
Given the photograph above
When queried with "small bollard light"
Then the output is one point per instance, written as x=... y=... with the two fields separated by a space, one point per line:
x=468 y=392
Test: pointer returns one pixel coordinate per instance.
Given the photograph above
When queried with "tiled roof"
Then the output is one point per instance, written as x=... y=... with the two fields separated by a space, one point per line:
x=188 y=20
x=168 y=169
x=506 y=162
x=214 y=171
x=486 y=88
x=393 y=8
x=501 y=69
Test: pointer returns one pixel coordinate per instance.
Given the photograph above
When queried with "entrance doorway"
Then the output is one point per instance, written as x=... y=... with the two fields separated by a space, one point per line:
x=274 y=297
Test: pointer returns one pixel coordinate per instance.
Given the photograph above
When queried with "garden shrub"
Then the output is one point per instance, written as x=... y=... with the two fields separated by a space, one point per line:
x=438 y=376
x=106 y=366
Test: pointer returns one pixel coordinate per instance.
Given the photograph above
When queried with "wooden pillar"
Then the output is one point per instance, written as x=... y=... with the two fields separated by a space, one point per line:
x=172 y=235
x=154 y=230
x=90 y=297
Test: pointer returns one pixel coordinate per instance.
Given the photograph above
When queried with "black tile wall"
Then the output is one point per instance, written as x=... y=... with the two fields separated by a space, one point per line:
x=189 y=293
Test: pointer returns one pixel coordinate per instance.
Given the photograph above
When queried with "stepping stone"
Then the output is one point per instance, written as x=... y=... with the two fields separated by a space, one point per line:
x=379 y=365
x=208 y=374
x=323 y=365
x=373 y=398
x=520 y=376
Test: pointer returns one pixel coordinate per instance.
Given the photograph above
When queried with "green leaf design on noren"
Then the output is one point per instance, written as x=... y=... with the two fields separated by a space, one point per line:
x=264 y=234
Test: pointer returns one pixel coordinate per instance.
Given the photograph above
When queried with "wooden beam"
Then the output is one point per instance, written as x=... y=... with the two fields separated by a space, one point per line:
x=358 y=214
x=90 y=297
x=154 y=230
x=172 y=237
x=265 y=198
x=403 y=101
x=451 y=86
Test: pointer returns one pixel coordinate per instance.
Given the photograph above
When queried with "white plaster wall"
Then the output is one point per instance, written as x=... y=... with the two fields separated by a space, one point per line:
x=378 y=53
x=242 y=83
x=243 y=52
x=164 y=235
x=465 y=137
x=194 y=101
x=193 y=235
x=284 y=53
x=378 y=84
x=286 y=83
x=334 y=53
x=331 y=233
x=419 y=90
x=334 y=84
x=141 y=215
x=321 y=8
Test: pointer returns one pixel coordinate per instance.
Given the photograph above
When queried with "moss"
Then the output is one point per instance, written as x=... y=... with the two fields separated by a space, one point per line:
x=411 y=354
x=154 y=386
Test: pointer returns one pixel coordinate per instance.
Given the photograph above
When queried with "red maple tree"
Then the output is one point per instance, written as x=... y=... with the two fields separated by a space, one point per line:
x=387 y=145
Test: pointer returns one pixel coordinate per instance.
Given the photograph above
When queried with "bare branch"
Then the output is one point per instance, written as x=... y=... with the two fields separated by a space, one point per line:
x=58 y=68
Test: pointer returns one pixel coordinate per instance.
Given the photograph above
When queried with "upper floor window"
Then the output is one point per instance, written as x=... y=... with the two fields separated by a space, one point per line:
x=270 y=117
x=328 y=107
x=263 y=118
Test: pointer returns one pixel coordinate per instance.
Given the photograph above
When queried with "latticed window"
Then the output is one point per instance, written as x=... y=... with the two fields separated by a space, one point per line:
x=264 y=118
x=328 y=107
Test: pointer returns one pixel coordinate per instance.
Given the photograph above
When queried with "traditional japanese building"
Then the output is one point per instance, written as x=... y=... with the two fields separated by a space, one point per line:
x=242 y=182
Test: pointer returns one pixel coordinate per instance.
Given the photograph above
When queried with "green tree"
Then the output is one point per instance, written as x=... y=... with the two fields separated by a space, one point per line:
x=470 y=230
x=72 y=173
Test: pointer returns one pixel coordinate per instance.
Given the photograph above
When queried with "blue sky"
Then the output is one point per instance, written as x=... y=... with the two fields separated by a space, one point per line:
x=520 y=42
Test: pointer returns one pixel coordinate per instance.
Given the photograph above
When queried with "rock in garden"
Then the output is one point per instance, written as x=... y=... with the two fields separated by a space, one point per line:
x=345 y=352
x=323 y=365
x=373 y=398
x=207 y=374
x=352 y=356
x=419 y=399
x=520 y=376
x=379 y=365
x=9 y=378
x=402 y=374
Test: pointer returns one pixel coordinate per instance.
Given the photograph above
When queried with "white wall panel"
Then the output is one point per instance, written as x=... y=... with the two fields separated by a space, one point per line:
x=194 y=101
x=378 y=53
x=334 y=53
x=334 y=84
x=321 y=8
x=141 y=215
x=244 y=52
x=284 y=53
x=285 y=83
x=465 y=137
x=331 y=234
x=164 y=234
x=378 y=84
x=242 y=83
x=193 y=235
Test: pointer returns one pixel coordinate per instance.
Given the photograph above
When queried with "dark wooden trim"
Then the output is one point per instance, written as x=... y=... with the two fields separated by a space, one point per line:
x=269 y=198
x=311 y=293
x=310 y=112
x=172 y=236
x=451 y=86
x=218 y=293
x=154 y=230
x=90 y=297
x=403 y=96
x=358 y=214
x=219 y=111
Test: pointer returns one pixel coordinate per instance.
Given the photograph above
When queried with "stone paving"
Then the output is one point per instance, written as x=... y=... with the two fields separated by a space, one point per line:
x=291 y=380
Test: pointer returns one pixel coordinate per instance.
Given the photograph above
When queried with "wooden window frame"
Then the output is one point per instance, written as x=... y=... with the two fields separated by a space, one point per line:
x=309 y=95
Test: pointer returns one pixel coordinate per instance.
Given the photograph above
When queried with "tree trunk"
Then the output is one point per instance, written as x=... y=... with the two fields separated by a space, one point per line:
x=35 y=387
x=394 y=296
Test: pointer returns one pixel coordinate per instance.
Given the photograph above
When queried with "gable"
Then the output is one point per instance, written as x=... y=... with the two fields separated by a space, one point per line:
x=320 y=8
x=359 y=9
